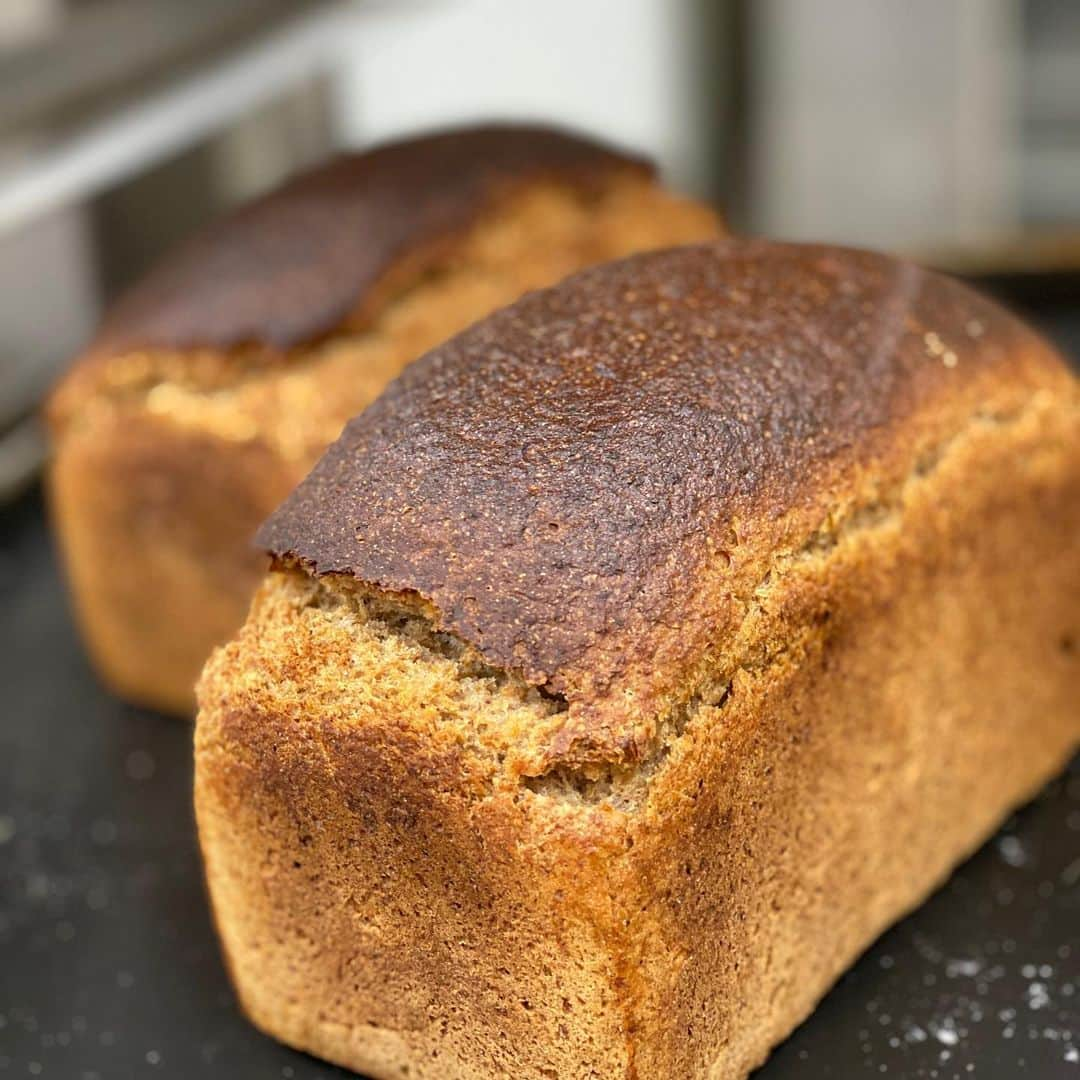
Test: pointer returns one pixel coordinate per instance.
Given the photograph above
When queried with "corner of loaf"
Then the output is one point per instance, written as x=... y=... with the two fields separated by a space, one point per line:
x=414 y=904
x=319 y=643
x=636 y=660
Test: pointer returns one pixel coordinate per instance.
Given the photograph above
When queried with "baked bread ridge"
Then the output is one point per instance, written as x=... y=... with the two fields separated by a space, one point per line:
x=191 y=416
x=398 y=885
x=640 y=440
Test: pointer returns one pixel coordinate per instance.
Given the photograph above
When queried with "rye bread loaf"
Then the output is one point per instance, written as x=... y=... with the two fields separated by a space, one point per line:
x=636 y=659
x=214 y=385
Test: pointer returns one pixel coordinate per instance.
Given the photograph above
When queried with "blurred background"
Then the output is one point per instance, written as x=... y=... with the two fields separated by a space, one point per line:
x=948 y=131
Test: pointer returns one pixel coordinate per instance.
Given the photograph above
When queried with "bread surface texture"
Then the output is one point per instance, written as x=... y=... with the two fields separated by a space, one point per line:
x=592 y=725
x=214 y=385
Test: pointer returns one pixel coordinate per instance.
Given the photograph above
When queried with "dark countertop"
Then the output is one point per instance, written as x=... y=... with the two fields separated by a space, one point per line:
x=108 y=965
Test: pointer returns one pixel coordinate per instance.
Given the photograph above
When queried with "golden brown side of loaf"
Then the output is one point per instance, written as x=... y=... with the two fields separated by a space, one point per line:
x=824 y=504
x=215 y=384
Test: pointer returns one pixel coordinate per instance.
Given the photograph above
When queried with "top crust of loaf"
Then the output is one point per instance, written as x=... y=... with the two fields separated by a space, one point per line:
x=291 y=266
x=590 y=485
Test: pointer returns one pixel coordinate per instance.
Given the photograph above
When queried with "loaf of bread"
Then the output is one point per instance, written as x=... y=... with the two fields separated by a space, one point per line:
x=636 y=659
x=213 y=386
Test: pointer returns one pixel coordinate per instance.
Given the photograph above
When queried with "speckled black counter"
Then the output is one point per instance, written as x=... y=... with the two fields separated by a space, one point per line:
x=108 y=966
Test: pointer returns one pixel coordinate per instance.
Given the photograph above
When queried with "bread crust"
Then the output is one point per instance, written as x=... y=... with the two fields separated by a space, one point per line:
x=216 y=383
x=637 y=441
x=413 y=870
x=290 y=266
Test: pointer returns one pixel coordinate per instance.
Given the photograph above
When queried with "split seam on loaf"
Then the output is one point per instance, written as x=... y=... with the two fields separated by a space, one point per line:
x=624 y=783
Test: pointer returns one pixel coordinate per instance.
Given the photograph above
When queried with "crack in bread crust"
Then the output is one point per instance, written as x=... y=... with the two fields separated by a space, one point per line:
x=622 y=782
x=567 y=480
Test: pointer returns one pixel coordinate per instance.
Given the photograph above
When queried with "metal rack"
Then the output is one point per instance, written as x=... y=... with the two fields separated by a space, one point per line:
x=118 y=88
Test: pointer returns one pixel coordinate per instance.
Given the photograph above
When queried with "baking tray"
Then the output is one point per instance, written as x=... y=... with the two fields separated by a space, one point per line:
x=109 y=968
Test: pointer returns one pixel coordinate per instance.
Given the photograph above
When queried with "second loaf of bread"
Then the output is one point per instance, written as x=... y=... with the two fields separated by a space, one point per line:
x=638 y=658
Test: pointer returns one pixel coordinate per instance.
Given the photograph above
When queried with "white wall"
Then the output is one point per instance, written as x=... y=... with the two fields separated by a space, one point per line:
x=885 y=123
x=615 y=67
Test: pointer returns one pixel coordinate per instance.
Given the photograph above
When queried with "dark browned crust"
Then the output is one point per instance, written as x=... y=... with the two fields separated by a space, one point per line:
x=560 y=479
x=291 y=266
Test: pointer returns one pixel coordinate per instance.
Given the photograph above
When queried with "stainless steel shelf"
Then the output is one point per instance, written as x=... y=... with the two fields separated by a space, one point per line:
x=119 y=87
x=79 y=116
